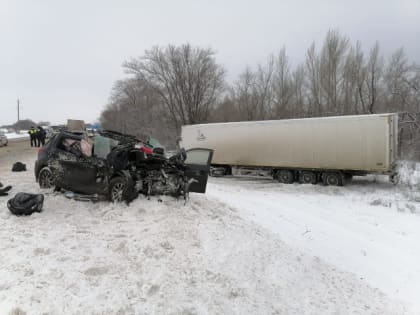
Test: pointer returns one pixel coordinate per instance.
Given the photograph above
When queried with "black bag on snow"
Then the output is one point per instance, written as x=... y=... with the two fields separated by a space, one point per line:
x=18 y=167
x=25 y=204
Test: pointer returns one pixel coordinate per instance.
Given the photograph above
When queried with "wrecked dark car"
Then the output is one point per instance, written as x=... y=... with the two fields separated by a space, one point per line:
x=119 y=166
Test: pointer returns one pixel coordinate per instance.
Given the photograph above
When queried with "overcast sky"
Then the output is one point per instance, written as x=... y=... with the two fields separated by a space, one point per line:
x=60 y=58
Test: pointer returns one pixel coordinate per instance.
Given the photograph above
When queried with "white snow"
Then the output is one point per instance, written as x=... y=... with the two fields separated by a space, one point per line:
x=370 y=227
x=246 y=247
x=21 y=135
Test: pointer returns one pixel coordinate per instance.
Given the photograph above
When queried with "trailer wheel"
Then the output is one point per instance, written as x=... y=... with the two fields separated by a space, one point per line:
x=332 y=179
x=285 y=176
x=308 y=177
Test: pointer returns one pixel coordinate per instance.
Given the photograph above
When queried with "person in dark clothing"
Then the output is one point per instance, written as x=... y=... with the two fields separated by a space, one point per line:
x=41 y=136
x=36 y=137
x=32 y=136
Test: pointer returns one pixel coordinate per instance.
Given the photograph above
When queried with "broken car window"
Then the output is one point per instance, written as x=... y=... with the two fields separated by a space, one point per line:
x=103 y=145
x=197 y=157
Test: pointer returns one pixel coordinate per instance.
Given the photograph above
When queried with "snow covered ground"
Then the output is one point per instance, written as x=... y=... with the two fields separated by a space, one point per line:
x=370 y=227
x=246 y=247
x=21 y=135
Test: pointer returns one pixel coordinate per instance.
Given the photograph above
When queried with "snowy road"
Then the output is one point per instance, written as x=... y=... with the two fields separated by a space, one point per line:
x=370 y=228
x=240 y=249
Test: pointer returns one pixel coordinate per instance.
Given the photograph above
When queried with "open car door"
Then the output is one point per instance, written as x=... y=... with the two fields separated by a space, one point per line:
x=78 y=173
x=198 y=167
x=79 y=176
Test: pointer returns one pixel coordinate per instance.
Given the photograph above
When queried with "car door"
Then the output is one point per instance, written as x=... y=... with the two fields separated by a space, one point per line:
x=79 y=175
x=75 y=172
x=197 y=166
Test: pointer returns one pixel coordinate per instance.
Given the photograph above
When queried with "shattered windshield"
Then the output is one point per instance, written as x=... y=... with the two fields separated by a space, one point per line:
x=154 y=143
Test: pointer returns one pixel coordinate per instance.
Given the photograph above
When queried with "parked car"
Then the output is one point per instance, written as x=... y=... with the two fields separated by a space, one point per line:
x=119 y=166
x=3 y=139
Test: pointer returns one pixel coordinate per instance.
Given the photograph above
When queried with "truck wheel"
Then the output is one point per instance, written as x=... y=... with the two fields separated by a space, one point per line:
x=308 y=177
x=332 y=179
x=285 y=176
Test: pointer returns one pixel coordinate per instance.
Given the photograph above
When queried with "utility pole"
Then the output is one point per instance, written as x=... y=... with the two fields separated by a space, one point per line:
x=18 y=109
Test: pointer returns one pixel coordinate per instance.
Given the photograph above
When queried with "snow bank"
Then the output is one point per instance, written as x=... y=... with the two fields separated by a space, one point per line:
x=409 y=173
x=370 y=228
x=23 y=134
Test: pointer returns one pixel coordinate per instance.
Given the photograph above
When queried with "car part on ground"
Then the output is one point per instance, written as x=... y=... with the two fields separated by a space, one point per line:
x=25 y=204
x=4 y=190
x=120 y=167
x=19 y=167
x=80 y=197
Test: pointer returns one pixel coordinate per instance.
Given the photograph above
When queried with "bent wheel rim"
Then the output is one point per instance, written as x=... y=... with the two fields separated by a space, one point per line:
x=117 y=192
x=45 y=179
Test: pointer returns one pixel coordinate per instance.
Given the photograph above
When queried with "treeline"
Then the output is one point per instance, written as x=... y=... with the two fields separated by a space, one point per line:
x=168 y=87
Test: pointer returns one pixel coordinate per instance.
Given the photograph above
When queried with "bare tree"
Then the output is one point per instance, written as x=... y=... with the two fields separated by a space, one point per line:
x=299 y=92
x=369 y=83
x=402 y=80
x=263 y=88
x=282 y=86
x=135 y=109
x=245 y=95
x=253 y=92
x=332 y=53
x=188 y=80
x=178 y=85
x=313 y=66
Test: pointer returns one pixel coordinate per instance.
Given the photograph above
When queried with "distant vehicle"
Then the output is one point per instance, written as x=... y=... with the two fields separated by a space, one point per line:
x=328 y=149
x=120 y=166
x=90 y=132
x=3 y=139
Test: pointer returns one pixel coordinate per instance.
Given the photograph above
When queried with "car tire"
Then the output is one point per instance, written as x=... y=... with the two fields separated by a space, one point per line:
x=120 y=189
x=46 y=178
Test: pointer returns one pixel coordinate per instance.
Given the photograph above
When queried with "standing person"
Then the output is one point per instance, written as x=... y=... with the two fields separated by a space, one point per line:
x=36 y=137
x=41 y=136
x=32 y=136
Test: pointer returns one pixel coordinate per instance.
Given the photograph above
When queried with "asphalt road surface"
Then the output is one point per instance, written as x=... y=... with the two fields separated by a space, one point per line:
x=14 y=152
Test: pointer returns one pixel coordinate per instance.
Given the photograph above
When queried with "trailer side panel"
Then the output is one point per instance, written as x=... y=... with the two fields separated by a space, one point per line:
x=360 y=143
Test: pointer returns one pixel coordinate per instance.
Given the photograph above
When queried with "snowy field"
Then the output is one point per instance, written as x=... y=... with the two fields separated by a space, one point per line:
x=15 y=136
x=249 y=246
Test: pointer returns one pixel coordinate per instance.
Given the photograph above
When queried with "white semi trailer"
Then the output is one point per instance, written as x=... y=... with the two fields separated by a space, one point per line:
x=310 y=150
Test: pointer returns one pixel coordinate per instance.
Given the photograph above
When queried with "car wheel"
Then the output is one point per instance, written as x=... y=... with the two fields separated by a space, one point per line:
x=45 y=178
x=119 y=189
